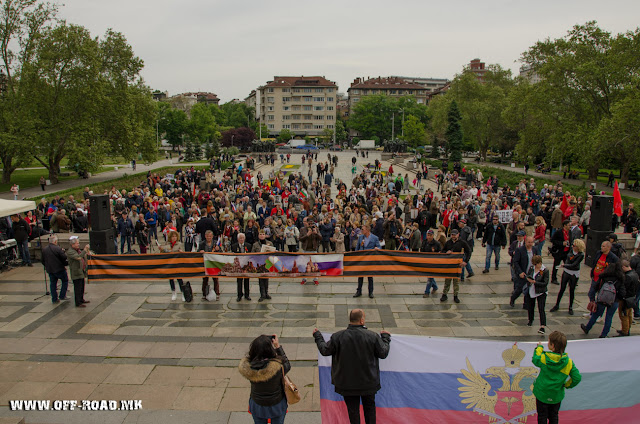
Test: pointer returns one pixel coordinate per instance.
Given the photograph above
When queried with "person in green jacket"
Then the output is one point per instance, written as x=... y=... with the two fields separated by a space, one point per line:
x=557 y=372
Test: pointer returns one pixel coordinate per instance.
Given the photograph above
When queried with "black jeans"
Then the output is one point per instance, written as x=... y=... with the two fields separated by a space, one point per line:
x=547 y=412
x=241 y=282
x=368 y=406
x=572 y=281
x=556 y=261
x=361 y=281
x=173 y=285
x=531 y=303
x=78 y=291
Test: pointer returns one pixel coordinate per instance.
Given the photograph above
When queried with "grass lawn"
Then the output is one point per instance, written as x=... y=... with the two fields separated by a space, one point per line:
x=31 y=177
x=126 y=182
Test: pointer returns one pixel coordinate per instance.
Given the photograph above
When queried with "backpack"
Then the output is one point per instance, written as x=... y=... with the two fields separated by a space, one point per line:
x=188 y=293
x=607 y=293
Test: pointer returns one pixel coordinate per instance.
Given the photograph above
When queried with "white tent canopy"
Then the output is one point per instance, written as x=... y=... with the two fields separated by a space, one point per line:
x=10 y=207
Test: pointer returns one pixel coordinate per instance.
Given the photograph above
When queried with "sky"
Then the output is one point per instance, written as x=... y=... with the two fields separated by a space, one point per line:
x=232 y=47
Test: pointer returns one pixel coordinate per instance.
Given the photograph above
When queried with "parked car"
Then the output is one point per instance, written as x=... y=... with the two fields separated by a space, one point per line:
x=307 y=147
x=336 y=148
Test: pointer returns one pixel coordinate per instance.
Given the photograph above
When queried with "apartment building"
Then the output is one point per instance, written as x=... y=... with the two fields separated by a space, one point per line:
x=305 y=105
x=391 y=86
x=429 y=84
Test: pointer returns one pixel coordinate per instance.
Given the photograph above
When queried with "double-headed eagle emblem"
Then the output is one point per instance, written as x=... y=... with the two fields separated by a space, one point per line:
x=503 y=394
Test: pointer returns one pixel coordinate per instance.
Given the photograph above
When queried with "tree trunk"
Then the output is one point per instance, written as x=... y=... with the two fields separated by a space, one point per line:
x=54 y=170
x=593 y=173
x=624 y=173
x=7 y=169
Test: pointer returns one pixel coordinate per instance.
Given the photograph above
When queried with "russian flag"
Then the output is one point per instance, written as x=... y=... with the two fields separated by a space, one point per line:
x=331 y=264
x=447 y=380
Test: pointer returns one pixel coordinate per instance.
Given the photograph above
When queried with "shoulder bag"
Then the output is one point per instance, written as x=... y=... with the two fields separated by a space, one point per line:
x=290 y=389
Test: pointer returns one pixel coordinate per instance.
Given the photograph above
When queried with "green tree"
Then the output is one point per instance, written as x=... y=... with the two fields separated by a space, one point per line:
x=341 y=132
x=373 y=115
x=22 y=23
x=414 y=132
x=454 y=133
x=327 y=134
x=284 y=136
x=173 y=123
x=189 y=151
x=584 y=74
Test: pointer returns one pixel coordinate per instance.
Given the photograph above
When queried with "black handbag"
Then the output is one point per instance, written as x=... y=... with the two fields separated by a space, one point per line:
x=630 y=302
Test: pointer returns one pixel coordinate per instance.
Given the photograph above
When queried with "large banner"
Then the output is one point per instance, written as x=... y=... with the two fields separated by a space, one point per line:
x=447 y=380
x=363 y=263
x=273 y=265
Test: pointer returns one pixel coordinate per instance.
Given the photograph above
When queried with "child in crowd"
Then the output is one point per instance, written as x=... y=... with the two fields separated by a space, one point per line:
x=557 y=372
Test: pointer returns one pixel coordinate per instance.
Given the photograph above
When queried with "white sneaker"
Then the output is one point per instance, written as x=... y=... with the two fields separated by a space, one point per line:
x=600 y=319
x=586 y=315
x=174 y=296
x=183 y=299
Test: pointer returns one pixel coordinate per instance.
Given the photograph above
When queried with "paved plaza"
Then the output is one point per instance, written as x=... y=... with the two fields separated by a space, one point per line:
x=180 y=359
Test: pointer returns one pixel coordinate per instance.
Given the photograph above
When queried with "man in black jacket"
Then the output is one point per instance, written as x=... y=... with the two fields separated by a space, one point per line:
x=21 y=232
x=55 y=261
x=455 y=245
x=495 y=238
x=521 y=262
x=355 y=370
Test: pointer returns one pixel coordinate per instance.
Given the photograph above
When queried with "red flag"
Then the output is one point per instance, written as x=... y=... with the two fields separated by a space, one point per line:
x=617 y=200
x=565 y=207
x=277 y=184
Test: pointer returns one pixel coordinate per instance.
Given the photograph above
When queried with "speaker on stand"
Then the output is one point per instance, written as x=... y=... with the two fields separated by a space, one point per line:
x=594 y=241
x=102 y=242
x=100 y=212
x=601 y=213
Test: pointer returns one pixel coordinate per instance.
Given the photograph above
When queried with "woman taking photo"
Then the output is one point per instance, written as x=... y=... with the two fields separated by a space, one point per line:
x=571 y=274
x=536 y=290
x=265 y=366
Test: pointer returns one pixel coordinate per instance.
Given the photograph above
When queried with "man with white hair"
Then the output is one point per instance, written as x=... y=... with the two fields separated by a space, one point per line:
x=55 y=261
x=78 y=269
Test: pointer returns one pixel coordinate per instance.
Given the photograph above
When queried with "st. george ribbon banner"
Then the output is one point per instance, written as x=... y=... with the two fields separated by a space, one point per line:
x=447 y=380
x=363 y=263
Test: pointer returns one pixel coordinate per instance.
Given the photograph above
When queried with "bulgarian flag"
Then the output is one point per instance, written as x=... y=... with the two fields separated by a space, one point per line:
x=303 y=194
x=212 y=265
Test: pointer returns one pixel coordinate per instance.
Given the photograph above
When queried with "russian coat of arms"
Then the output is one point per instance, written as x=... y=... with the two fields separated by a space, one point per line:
x=502 y=394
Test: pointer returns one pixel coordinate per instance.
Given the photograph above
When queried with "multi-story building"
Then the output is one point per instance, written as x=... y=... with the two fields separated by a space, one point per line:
x=304 y=105
x=343 y=106
x=252 y=100
x=477 y=67
x=186 y=101
x=429 y=84
x=390 y=86
x=527 y=72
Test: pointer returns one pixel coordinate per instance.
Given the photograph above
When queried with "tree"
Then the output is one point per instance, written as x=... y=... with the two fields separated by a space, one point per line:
x=284 y=136
x=584 y=74
x=414 y=132
x=22 y=23
x=341 y=132
x=327 y=135
x=172 y=123
x=238 y=137
x=454 y=133
x=373 y=115
x=189 y=151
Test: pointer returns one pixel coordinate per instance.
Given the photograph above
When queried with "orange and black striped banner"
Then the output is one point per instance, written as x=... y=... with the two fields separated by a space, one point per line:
x=362 y=263
x=400 y=263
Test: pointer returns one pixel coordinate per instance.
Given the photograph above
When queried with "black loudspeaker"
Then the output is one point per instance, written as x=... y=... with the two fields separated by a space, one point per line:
x=594 y=241
x=601 y=213
x=102 y=242
x=100 y=212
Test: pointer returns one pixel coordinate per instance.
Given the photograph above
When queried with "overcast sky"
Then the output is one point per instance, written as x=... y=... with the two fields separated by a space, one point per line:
x=231 y=47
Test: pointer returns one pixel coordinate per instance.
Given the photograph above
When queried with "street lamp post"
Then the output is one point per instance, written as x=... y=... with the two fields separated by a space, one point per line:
x=393 y=128
x=402 y=122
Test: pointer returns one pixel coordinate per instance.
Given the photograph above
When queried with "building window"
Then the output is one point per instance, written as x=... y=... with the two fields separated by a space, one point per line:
x=296 y=107
x=330 y=117
x=393 y=91
x=420 y=101
x=295 y=126
x=296 y=90
x=318 y=117
x=318 y=127
x=286 y=108
x=286 y=126
x=307 y=126
x=329 y=99
x=329 y=90
x=270 y=108
x=270 y=99
x=318 y=90
x=318 y=99
x=318 y=108
x=286 y=90
x=286 y=99
x=271 y=126
x=308 y=117
x=308 y=99
x=286 y=117
x=356 y=91
x=306 y=90
x=296 y=117
x=330 y=127
x=374 y=91
x=329 y=107
x=356 y=100
x=271 y=117
x=400 y=92
x=270 y=90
